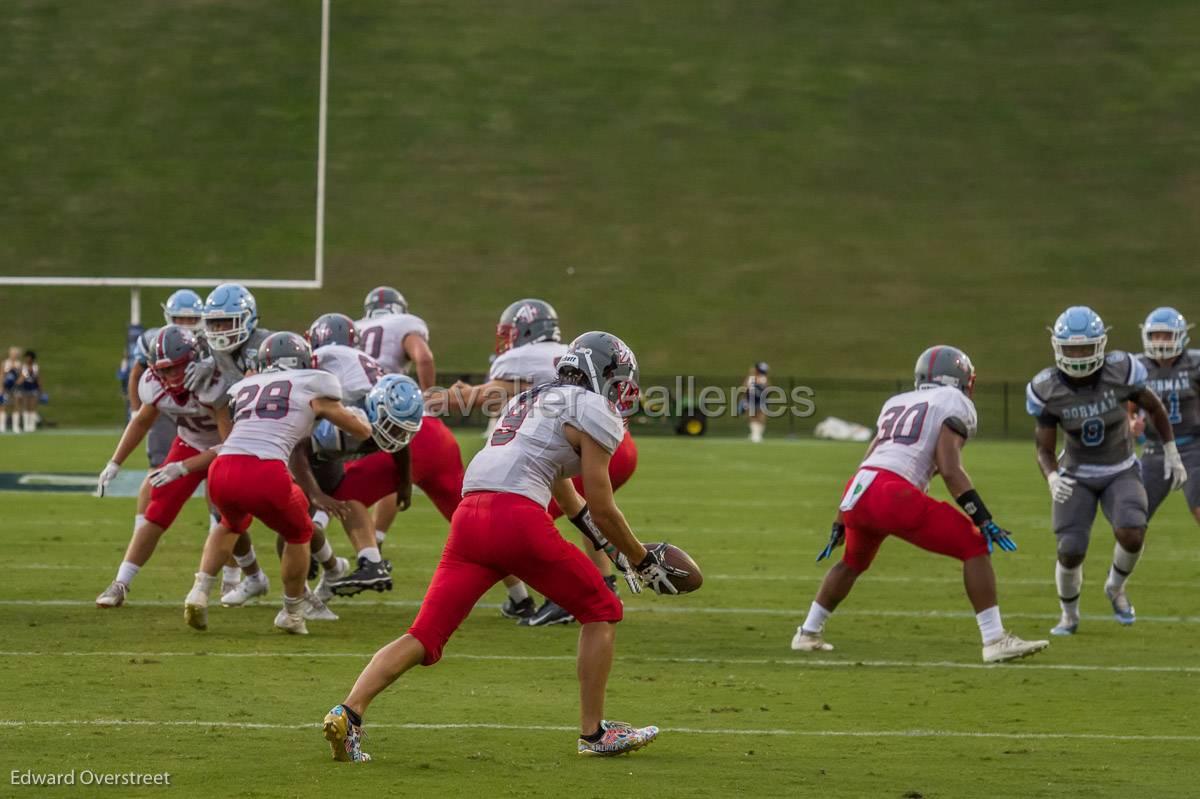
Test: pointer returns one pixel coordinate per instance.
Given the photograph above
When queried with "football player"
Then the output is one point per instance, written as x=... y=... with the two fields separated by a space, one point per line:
x=1173 y=373
x=1085 y=393
x=501 y=527
x=197 y=419
x=272 y=412
x=528 y=347
x=920 y=432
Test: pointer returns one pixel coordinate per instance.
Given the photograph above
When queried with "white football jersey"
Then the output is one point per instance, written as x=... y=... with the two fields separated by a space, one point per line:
x=908 y=429
x=191 y=412
x=535 y=363
x=355 y=370
x=271 y=411
x=383 y=338
x=529 y=450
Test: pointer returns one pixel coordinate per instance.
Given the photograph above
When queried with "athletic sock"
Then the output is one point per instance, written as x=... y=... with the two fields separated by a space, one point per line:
x=595 y=736
x=1069 y=582
x=518 y=592
x=1122 y=567
x=292 y=603
x=324 y=553
x=247 y=560
x=371 y=553
x=16 y=421
x=138 y=521
x=380 y=536
x=817 y=616
x=756 y=431
x=355 y=719
x=230 y=574
x=127 y=572
x=204 y=583
x=990 y=626
x=3 y=421
x=320 y=519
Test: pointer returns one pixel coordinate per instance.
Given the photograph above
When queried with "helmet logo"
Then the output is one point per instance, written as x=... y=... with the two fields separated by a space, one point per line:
x=526 y=313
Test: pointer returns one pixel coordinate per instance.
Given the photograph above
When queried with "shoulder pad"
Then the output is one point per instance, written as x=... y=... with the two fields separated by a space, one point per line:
x=1044 y=375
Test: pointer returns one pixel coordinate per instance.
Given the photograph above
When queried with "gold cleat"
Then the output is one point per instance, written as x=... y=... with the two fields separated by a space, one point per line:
x=196 y=616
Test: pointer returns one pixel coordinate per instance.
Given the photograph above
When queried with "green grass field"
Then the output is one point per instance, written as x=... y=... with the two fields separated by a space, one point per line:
x=902 y=708
x=829 y=187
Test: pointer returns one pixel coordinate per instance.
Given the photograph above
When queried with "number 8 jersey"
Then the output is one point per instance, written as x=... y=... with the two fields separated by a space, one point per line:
x=909 y=426
x=272 y=411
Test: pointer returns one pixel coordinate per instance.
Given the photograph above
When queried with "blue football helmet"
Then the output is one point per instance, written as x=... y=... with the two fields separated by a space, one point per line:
x=395 y=409
x=229 y=302
x=1081 y=330
x=184 y=308
x=1165 y=320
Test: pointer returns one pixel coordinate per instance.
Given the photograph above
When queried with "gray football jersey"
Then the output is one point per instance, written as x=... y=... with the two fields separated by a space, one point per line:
x=245 y=358
x=1178 y=386
x=1091 y=413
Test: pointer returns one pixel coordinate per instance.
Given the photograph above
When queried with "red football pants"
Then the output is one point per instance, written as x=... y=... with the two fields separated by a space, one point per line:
x=437 y=467
x=243 y=486
x=167 y=501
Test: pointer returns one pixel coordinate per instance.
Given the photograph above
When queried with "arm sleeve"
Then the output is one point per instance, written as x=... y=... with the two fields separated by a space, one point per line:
x=1034 y=405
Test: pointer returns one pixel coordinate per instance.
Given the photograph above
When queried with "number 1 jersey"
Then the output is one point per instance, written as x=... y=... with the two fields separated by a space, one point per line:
x=272 y=411
x=909 y=426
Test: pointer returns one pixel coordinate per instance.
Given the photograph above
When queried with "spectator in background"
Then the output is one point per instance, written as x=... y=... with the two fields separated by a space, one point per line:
x=29 y=391
x=752 y=404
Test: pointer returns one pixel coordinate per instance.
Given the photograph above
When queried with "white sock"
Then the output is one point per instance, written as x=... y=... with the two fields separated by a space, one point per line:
x=245 y=560
x=138 y=521
x=31 y=421
x=324 y=553
x=127 y=572
x=204 y=583
x=756 y=431
x=292 y=603
x=230 y=574
x=320 y=519
x=1122 y=567
x=371 y=553
x=1069 y=582
x=3 y=420
x=380 y=536
x=517 y=593
x=990 y=626
x=817 y=616
x=16 y=421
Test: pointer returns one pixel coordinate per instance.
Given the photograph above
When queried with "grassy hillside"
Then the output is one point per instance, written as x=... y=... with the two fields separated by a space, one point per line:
x=830 y=187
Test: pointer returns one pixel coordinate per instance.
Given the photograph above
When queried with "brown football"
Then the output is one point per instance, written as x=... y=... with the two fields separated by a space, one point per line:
x=681 y=560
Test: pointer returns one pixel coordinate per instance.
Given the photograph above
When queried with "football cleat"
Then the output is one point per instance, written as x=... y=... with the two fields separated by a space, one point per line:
x=1010 y=647
x=1067 y=625
x=518 y=610
x=315 y=609
x=804 y=641
x=549 y=613
x=1122 y=610
x=228 y=587
x=324 y=592
x=345 y=739
x=113 y=596
x=369 y=574
x=619 y=738
x=291 y=621
x=246 y=590
x=195 y=613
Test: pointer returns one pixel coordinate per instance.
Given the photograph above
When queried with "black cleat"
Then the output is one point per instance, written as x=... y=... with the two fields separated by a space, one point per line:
x=518 y=610
x=549 y=613
x=314 y=567
x=368 y=575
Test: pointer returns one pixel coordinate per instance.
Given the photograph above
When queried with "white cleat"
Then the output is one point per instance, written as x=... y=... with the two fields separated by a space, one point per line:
x=1010 y=647
x=291 y=622
x=316 y=610
x=246 y=590
x=229 y=585
x=324 y=592
x=195 y=610
x=1067 y=625
x=809 y=642
x=113 y=596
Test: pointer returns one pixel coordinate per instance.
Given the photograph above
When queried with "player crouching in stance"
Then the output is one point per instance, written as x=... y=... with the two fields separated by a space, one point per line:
x=501 y=527
x=1085 y=394
x=272 y=411
x=920 y=431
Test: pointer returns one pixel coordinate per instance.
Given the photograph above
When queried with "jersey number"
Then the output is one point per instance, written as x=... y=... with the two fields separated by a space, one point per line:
x=506 y=431
x=1173 y=408
x=197 y=424
x=1092 y=432
x=902 y=424
x=371 y=369
x=272 y=401
x=372 y=341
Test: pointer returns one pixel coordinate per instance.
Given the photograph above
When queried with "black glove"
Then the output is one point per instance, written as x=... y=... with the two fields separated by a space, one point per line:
x=837 y=537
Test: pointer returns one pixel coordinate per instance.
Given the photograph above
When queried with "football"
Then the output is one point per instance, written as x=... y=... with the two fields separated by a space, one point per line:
x=681 y=560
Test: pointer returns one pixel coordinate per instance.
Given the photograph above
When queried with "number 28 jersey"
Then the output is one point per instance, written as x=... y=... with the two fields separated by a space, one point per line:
x=909 y=426
x=272 y=411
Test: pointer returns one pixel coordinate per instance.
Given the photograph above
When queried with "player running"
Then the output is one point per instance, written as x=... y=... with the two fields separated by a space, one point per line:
x=501 y=527
x=1085 y=394
x=920 y=432
x=1173 y=373
x=272 y=412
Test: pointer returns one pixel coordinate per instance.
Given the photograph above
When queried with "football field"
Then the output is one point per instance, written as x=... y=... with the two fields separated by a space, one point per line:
x=902 y=708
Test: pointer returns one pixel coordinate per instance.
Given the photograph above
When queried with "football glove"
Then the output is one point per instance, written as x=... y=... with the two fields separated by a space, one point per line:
x=106 y=476
x=1173 y=465
x=997 y=536
x=199 y=373
x=837 y=537
x=656 y=573
x=1061 y=486
x=167 y=474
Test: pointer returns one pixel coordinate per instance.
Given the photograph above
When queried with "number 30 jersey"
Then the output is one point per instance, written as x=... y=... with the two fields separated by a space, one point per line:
x=383 y=338
x=272 y=411
x=909 y=426
x=529 y=450
x=355 y=370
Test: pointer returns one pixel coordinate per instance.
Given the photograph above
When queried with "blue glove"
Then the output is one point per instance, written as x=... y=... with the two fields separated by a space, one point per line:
x=837 y=536
x=997 y=536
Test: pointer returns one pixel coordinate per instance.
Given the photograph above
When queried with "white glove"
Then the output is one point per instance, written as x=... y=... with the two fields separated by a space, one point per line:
x=1173 y=465
x=167 y=474
x=656 y=574
x=1061 y=486
x=106 y=477
x=199 y=373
